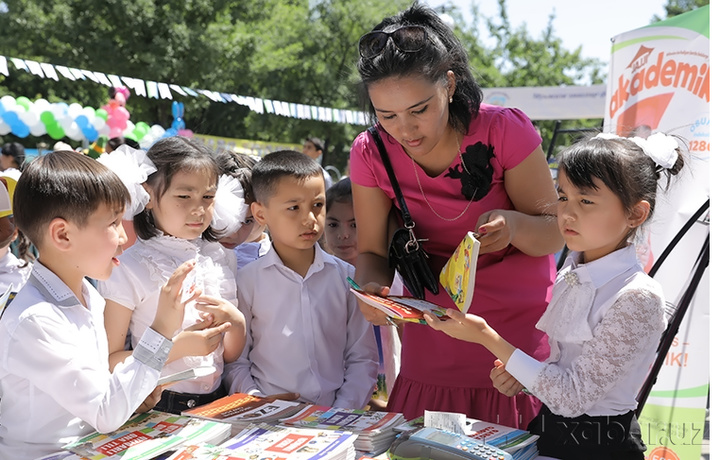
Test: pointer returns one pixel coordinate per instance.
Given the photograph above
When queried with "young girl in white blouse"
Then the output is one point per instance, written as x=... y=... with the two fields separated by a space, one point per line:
x=606 y=316
x=174 y=187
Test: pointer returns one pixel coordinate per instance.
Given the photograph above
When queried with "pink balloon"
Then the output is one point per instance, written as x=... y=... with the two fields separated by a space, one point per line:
x=122 y=111
x=115 y=132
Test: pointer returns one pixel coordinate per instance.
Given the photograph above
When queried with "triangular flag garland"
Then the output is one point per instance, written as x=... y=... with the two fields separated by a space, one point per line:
x=22 y=123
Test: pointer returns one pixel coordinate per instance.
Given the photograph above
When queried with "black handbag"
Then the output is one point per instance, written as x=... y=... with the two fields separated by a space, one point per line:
x=405 y=252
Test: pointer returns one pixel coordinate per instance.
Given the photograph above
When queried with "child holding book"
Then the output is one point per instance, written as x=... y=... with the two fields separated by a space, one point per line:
x=606 y=315
x=172 y=221
x=306 y=334
x=54 y=370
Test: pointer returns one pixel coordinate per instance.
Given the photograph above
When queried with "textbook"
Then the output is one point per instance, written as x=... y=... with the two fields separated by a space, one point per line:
x=187 y=374
x=241 y=409
x=148 y=435
x=375 y=429
x=402 y=308
x=458 y=274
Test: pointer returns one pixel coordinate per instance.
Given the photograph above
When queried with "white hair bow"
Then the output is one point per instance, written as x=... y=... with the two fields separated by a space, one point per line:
x=230 y=208
x=133 y=168
x=659 y=146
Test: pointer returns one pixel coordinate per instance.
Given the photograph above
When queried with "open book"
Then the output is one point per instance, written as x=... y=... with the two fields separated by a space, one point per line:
x=458 y=274
x=400 y=308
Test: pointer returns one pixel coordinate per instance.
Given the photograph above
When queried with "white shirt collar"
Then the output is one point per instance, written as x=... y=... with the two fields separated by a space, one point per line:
x=321 y=258
x=53 y=288
x=604 y=269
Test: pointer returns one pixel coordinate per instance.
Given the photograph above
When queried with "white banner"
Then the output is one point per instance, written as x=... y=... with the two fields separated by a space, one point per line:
x=551 y=102
x=659 y=81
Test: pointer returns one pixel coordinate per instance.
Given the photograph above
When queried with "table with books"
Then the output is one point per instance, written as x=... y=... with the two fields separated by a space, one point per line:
x=242 y=426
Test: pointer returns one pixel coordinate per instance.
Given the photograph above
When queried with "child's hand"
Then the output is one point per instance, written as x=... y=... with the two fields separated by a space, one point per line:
x=151 y=401
x=459 y=325
x=503 y=381
x=372 y=314
x=199 y=339
x=220 y=311
x=171 y=309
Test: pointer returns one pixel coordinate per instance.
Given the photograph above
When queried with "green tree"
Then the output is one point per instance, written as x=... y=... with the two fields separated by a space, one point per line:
x=676 y=7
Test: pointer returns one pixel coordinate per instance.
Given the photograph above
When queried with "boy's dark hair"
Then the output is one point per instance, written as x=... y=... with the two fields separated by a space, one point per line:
x=340 y=192
x=67 y=185
x=277 y=165
x=116 y=142
x=171 y=155
x=621 y=165
x=319 y=145
x=15 y=150
x=239 y=166
x=441 y=52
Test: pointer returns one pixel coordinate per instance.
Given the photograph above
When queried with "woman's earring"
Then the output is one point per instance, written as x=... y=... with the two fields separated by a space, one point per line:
x=451 y=99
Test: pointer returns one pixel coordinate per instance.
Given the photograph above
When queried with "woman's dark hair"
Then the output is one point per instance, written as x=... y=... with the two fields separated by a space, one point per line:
x=442 y=52
x=339 y=192
x=621 y=165
x=171 y=155
x=239 y=166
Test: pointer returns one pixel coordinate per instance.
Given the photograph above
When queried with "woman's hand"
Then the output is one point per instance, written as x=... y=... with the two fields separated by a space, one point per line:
x=503 y=381
x=496 y=230
x=198 y=340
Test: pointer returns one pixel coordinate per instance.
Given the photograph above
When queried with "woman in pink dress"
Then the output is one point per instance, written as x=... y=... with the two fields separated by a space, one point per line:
x=462 y=166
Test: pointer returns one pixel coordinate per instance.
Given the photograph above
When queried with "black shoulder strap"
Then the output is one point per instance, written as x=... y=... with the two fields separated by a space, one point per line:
x=407 y=219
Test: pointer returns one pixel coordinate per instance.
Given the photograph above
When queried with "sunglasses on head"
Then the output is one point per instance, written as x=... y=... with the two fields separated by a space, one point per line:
x=408 y=39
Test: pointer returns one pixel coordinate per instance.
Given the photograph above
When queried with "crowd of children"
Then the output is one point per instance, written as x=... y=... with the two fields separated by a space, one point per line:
x=227 y=274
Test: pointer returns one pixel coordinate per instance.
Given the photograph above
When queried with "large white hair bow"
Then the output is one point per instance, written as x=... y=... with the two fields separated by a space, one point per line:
x=133 y=168
x=230 y=208
x=659 y=146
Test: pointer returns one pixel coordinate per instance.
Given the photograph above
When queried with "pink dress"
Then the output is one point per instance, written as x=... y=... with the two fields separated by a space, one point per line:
x=512 y=289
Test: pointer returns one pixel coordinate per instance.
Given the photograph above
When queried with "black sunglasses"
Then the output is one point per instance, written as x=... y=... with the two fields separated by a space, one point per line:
x=408 y=39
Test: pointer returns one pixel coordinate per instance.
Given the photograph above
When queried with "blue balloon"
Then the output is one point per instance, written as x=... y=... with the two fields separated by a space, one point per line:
x=82 y=121
x=170 y=132
x=11 y=118
x=178 y=109
x=178 y=124
x=90 y=133
x=19 y=128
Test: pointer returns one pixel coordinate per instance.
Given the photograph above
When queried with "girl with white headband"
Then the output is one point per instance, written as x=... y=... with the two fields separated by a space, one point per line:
x=606 y=315
x=180 y=207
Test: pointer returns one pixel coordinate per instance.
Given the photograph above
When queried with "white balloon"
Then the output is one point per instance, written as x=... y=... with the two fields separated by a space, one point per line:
x=74 y=110
x=66 y=122
x=73 y=132
x=157 y=131
x=4 y=128
x=104 y=130
x=8 y=102
x=59 y=111
x=89 y=112
x=129 y=128
x=29 y=118
x=38 y=129
x=41 y=105
x=97 y=123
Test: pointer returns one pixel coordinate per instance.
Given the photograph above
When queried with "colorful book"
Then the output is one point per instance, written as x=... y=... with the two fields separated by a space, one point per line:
x=242 y=409
x=273 y=442
x=374 y=429
x=148 y=435
x=401 y=308
x=458 y=274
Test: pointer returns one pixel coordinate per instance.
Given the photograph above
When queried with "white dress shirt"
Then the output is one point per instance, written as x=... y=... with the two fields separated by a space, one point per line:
x=13 y=272
x=305 y=335
x=252 y=250
x=604 y=324
x=146 y=266
x=54 y=370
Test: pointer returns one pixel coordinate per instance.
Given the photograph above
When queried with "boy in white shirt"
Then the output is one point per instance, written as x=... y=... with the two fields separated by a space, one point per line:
x=305 y=333
x=54 y=370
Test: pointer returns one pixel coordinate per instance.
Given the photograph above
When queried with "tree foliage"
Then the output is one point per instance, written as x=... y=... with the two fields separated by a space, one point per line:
x=290 y=50
x=677 y=7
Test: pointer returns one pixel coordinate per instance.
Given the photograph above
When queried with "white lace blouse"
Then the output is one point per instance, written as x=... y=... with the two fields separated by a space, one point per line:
x=604 y=324
x=144 y=269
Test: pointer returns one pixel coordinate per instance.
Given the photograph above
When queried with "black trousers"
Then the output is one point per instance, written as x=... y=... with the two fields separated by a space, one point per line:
x=585 y=437
x=175 y=403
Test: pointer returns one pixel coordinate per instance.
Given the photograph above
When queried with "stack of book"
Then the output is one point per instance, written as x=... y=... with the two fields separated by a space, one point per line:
x=269 y=442
x=375 y=430
x=241 y=410
x=148 y=435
